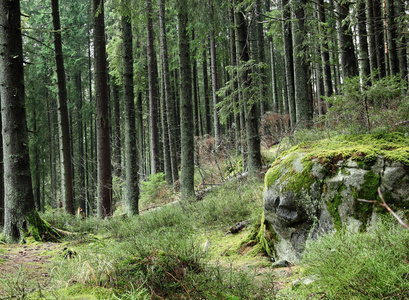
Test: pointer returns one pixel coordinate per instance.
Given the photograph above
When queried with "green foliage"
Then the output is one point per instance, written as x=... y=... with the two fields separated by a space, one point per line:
x=252 y=88
x=153 y=189
x=360 y=109
x=352 y=265
x=157 y=252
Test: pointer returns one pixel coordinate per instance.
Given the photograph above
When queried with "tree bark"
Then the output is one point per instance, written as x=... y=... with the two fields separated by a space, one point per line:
x=169 y=100
x=81 y=161
x=19 y=199
x=402 y=43
x=379 y=37
x=288 y=60
x=213 y=64
x=206 y=94
x=392 y=37
x=252 y=135
x=131 y=158
x=363 y=39
x=325 y=50
x=303 y=95
x=104 y=207
x=153 y=110
x=63 y=122
x=349 y=63
x=186 y=108
x=117 y=157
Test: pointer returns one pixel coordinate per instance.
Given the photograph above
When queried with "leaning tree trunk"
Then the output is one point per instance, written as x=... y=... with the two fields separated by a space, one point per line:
x=67 y=192
x=102 y=115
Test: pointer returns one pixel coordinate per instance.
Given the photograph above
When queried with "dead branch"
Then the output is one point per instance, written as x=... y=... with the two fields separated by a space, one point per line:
x=383 y=204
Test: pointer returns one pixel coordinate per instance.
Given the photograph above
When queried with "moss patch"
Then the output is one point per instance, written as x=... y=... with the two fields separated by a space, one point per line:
x=332 y=206
x=41 y=230
x=296 y=181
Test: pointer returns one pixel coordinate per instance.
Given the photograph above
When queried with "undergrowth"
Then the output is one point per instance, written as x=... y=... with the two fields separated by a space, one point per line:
x=157 y=254
x=354 y=265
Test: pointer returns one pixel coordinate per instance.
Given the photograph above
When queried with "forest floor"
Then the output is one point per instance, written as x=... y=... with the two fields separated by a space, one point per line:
x=26 y=268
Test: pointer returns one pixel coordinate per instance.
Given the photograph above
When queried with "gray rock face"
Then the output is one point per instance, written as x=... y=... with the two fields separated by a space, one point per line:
x=298 y=211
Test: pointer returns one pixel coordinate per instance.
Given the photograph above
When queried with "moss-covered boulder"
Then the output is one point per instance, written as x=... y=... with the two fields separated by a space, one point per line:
x=314 y=188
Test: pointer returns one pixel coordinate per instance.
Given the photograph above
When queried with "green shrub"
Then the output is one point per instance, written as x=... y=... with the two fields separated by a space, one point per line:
x=370 y=265
x=360 y=109
x=153 y=190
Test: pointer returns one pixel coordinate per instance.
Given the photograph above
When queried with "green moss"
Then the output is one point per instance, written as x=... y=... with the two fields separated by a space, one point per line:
x=367 y=191
x=333 y=205
x=262 y=237
x=41 y=230
x=296 y=181
x=364 y=148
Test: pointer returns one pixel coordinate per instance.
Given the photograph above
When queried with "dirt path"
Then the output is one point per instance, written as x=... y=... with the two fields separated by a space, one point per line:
x=25 y=268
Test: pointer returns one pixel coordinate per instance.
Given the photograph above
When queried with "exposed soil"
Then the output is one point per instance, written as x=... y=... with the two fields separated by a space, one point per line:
x=25 y=268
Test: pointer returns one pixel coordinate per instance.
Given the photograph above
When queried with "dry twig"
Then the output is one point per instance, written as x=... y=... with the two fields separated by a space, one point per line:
x=383 y=204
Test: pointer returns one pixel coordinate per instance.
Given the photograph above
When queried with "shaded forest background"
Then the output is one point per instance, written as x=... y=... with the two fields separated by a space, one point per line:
x=184 y=74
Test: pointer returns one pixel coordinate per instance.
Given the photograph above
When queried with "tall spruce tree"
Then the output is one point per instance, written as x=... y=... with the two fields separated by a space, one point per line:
x=63 y=121
x=186 y=105
x=102 y=116
x=19 y=199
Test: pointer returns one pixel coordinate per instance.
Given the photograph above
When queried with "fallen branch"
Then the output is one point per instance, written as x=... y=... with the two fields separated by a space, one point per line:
x=383 y=204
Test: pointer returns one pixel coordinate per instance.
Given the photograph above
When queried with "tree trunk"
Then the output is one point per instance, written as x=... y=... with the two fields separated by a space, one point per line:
x=169 y=100
x=53 y=155
x=288 y=60
x=392 y=37
x=81 y=161
x=104 y=207
x=236 y=103
x=63 y=122
x=1 y=174
x=363 y=39
x=303 y=96
x=402 y=43
x=196 y=93
x=213 y=64
x=153 y=110
x=260 y=53
x=117 y=157
x=208 y=122
x=379 y=37
x=131 y=158
x=165 y=129
x=186 y=109
x=325 y=51
x=373 y=62
x=345 y=42
x=252 y=135
x=19 y=200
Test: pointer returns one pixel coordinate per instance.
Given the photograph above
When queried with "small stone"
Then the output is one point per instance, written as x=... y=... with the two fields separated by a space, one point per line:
x=280 y=264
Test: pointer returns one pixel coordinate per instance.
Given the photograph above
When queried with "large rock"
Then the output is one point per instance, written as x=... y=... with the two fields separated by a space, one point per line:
x=313 y=190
